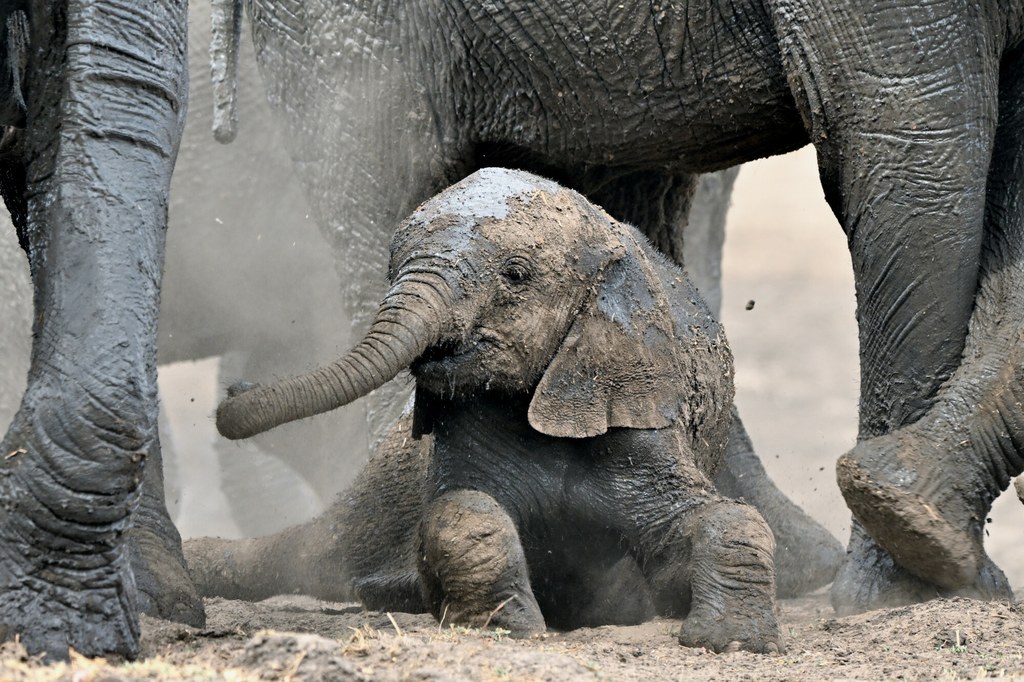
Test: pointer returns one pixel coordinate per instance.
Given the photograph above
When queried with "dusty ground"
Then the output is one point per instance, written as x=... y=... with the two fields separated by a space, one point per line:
x=297 y=638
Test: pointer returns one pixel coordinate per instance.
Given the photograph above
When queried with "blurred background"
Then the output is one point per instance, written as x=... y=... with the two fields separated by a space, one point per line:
x=248 y=273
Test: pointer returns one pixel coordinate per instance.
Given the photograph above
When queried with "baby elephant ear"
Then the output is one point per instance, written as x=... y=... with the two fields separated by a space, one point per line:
x=621 y=363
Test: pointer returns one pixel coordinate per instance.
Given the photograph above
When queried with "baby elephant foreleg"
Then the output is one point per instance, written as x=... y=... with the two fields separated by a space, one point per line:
x=731 y=580
x=710 y=561
x=473 y=567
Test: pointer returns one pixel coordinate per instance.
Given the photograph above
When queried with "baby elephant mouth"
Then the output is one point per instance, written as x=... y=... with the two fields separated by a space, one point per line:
x=437 y=353
x=447 y=357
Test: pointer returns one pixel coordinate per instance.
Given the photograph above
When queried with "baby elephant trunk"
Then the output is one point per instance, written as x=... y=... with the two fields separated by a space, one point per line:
x=411 y=318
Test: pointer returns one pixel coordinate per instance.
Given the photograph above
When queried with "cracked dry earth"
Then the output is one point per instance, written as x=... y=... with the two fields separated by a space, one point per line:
x=298 y=638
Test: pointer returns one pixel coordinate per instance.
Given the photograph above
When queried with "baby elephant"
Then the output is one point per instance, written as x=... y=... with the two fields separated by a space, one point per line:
x=577 y=393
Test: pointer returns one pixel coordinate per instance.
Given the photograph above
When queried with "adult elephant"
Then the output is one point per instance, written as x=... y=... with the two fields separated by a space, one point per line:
x=910 y=110
x=92 y=101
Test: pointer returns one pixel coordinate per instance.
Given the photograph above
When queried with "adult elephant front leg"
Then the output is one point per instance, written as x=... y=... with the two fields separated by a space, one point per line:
x=904 y=143
x=107 y=100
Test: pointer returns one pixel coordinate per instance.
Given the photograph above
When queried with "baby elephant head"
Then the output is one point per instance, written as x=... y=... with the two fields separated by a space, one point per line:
x=509 y=282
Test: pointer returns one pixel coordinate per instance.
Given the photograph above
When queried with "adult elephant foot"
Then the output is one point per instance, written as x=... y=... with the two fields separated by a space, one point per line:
x=926 y=512
x=154 y=548
x=165 y=587
x=871 y=579
x=806 y=555
x=925 y=498
x=65 y=580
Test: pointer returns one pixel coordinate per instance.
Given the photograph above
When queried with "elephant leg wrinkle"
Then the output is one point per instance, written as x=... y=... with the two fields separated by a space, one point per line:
x=473 y=566
x=107 y=101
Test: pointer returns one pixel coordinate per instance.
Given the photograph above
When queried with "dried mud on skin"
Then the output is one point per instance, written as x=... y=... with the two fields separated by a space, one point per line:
x=296 y=638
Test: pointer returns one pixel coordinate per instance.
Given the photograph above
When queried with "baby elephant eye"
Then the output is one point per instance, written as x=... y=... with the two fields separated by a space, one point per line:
x=516 y=270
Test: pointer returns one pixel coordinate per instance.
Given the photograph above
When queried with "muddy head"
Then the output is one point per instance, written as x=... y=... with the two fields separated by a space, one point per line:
x=495 y=282
x=458 y=264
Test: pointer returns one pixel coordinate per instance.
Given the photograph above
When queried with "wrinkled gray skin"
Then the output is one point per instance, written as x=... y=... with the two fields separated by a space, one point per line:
x=212 y=304
x=578 y=394
x=907 y=107
x=92 y=100
x=215 y=199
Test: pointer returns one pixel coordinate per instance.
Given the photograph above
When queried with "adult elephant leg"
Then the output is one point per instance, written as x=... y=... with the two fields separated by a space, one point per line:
x=703 y=236
x=806 y=555
x=926 y=490
x=107 y=101
x=904 y=144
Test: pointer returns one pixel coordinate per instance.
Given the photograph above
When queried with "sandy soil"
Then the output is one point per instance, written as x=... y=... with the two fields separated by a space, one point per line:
x=296 y=638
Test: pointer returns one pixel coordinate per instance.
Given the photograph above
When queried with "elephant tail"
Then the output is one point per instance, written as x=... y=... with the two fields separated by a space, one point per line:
x=225 y=35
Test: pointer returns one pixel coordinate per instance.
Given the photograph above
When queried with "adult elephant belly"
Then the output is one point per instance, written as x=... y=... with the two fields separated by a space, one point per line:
x=632 y=88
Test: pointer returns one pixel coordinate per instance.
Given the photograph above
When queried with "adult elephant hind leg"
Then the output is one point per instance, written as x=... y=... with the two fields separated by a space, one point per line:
x=473 y=566
x=926 y=490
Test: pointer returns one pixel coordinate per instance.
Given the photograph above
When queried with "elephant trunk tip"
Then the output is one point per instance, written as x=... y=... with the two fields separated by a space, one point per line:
x=240 y=387
x=228 y=423
x=231 y=413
